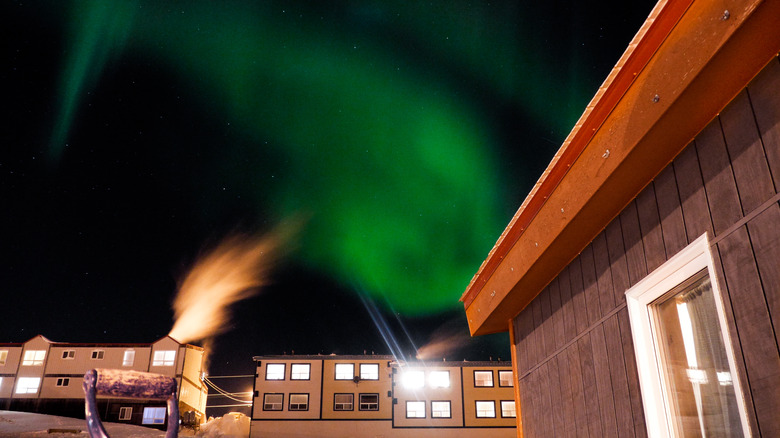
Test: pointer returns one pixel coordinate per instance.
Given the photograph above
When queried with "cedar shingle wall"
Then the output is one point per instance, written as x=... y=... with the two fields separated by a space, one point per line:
x=575 y=355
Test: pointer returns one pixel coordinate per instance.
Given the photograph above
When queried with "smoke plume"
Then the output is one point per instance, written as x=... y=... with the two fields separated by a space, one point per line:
x=445 y=341
x=234 y=270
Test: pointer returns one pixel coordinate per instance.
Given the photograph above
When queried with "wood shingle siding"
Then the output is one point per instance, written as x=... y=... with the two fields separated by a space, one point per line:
x=575 y=354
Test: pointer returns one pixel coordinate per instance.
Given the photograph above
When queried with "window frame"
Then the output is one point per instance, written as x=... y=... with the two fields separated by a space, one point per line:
x=63 y=381
x=691 y=260
x=27 y=387
x=268 y=367
x=492 y=383
x=125 y=413
x=342 y=365
x=68 y=354
x=416 y=403
x=161 y=358
x=476 y=408
x=129 y=353
x=31 y=359
x=154 y=419
x=511 y=378
x=360 y=401
x=369 y=365
x=98 y=354
x=351 y=403
x=265 y=401
x=449 y=408
x=297 y=408
x=3 y=357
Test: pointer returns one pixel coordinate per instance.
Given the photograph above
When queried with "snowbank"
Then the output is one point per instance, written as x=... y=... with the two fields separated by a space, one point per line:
x=232 y=425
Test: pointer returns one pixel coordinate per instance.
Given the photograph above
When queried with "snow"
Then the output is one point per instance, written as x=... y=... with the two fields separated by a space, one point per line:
x=28 y=425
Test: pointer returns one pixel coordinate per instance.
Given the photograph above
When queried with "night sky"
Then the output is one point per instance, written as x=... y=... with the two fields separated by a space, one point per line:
x=403 y=135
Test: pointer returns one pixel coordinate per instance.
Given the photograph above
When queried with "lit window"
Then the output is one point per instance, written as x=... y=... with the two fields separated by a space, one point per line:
x=415 y=409
x=69 y=354
x=63 y=381
x=299 y=402
x=682 y=348
x=369 y=371
x=505 y=378
x=343 y=402
x=345 y=371
x=486 y=409
x=273 y=402
x=98 y=354
x=125 y=413
x=440 y=409
x=274 y=371
x=413 y=379
x=300 y=371
x=439 y=379
x=508 y=409
x=3 y=356
x=369 y=402
x=483 y=378
x=164 y=358
x=154 y=416
x=128 y=358
x=27 y=385
x=33 y=357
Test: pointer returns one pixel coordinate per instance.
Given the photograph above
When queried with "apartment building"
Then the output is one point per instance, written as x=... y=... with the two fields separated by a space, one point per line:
x=46 y=377
x=376 y=395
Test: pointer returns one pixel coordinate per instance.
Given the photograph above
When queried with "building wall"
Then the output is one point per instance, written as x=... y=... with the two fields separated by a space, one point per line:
x=574 y=350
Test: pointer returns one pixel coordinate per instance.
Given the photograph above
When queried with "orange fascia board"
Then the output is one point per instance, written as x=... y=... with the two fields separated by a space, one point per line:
x=688 y=61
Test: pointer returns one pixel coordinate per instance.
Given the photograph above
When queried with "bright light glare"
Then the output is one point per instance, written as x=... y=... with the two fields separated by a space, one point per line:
x=413 y=379
x=439 y=379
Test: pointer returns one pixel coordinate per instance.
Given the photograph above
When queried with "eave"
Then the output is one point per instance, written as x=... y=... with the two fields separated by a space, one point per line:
x=688 y=61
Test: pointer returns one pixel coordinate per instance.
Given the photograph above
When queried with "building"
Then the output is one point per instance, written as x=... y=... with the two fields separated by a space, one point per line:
x=640 y=279
x=372 y=395
x=46 y=377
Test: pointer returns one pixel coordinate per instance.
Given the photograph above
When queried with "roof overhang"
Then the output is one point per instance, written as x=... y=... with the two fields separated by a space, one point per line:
x=688 y=61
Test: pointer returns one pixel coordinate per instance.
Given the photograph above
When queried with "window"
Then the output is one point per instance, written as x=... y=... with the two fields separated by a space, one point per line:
x=440 y=409
x=683 y=352
x=345 y=371
x=486 y=409
x=415 y=409
x=299 y=402
x=3 y=356
x=508 y=409
x=98 y=354
x=505 y=378
x=274 y=371
x=273 y=402
x=63 y=381
x=439 y=379
x=369 y=402
x=128 y=358
x=300 y=371
x=413 y=379
x=343 y=402
x=33 y=357
x=369 y=371
x=154 y=416
x=27 y=385
x=164 y=358
x=125 y=413
x=483 y=378
x=69 y=354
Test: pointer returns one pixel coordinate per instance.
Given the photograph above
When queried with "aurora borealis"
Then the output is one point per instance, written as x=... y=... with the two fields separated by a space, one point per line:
x=405 y=133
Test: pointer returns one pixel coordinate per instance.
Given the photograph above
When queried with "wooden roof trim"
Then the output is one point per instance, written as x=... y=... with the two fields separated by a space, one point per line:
x=645 y=43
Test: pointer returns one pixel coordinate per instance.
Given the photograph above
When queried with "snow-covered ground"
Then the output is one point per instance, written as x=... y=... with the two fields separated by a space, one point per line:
x=27 y=425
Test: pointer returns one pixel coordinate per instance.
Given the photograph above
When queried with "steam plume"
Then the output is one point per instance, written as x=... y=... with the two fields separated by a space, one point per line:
x=446 y=340
x=234 y=270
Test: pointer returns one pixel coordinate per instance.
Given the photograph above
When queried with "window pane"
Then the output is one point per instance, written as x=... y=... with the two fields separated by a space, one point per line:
x=125 y=413
x=128 y=358
x=343 y=402
x=274 y=371
x=27 y=385
x=299 y=402
x=273 y=402
x=486 y=409
x=699 y=391
x=154 y=416
x=164 y=358
x=508 y=408
x=413 y=379
x=345 y=371
x=440 y=409
x=369 y=371
x=369 y=402
x=415 y=409
x=439 y=379
x=505 y=378
x=483 y=378
x=300 y=371
x=33 y=357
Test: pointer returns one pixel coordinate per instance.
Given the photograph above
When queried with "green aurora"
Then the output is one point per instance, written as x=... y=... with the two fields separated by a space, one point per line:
x=396 y=167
